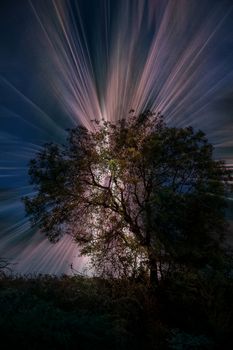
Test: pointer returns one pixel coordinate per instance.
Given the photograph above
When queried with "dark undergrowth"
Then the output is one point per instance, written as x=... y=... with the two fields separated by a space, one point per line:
x=47 y=312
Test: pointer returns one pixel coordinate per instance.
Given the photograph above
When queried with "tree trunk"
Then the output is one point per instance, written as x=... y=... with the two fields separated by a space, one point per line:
x=154 y=280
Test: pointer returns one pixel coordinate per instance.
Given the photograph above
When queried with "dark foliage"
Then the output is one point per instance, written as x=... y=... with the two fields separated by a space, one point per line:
x=139 y=197
x=188 y=311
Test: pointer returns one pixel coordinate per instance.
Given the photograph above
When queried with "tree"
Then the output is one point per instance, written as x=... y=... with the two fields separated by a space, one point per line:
x=137 y=195
x=4 y=267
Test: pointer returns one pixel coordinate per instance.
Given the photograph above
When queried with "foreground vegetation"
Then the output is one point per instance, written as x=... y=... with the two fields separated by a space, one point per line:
x=187 y=311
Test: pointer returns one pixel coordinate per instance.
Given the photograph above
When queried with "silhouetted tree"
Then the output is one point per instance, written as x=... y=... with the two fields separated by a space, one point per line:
x=137 y=195
x=5 y=267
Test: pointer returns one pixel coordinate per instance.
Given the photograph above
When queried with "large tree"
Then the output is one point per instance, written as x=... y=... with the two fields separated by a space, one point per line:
x=136 y=195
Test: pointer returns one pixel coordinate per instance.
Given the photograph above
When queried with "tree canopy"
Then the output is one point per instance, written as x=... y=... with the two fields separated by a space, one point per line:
x=138 y=196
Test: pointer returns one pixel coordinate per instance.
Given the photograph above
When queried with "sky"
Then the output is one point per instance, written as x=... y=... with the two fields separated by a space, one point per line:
x=67 y=62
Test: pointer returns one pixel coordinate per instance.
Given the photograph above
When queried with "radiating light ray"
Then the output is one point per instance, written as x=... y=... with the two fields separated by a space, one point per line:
x=77 y=80
x=48 y=120
x=122 y=91
x=10 y=114
x=44 y=259
x=165 y=55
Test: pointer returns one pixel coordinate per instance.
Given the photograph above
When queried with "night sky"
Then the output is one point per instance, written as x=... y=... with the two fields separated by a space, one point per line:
x=63 y=63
